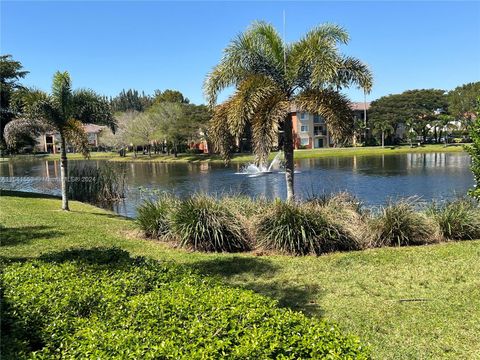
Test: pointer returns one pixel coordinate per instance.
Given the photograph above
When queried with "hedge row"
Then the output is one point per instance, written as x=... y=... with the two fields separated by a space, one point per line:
x=335 y=223
x=102 y=304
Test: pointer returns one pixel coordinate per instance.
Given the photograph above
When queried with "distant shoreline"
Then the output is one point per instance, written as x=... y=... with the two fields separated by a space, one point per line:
x=240 y=158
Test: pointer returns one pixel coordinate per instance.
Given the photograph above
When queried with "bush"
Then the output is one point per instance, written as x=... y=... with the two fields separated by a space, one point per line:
x=399 y=224
x=300 y=230
x=153 y=216
x=203 y=223
x=457 y=220
x=70 y=306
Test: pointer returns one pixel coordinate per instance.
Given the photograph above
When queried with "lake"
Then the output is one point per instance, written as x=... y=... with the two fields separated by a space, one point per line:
x=373 y=179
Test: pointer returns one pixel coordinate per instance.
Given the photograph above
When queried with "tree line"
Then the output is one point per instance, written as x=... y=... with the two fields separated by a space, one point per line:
x=163 y=122
x=426 y=115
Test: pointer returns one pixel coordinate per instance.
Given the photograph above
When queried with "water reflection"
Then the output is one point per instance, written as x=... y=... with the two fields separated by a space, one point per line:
x=372 y=178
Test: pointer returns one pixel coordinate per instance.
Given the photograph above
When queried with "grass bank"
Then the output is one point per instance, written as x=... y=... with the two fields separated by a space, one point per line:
x=414 y=302
x=241 y=158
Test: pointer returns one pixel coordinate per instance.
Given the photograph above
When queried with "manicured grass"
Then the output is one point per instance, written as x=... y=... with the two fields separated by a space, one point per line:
x=408 y=303
x=241 y=158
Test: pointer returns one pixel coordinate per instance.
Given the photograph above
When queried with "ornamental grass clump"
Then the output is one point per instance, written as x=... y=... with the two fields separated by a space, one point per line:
x=457 y=219
x=300 y=230
x=346 y=212
x=202 y=223
x=153 y=216
x=399 y=224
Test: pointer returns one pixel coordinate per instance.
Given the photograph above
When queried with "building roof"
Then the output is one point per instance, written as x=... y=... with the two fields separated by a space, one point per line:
x=354 y=106
x=93 y=128
x=360 y=105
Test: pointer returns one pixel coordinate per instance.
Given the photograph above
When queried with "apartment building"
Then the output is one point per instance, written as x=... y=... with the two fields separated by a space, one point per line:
x=50 y=142
x=310 y=130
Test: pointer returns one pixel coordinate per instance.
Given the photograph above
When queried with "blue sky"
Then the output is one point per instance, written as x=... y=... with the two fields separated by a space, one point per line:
x=109 y=46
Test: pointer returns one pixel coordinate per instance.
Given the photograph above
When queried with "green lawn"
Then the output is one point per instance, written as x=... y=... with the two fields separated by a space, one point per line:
x=408 y=303
x=299 y=154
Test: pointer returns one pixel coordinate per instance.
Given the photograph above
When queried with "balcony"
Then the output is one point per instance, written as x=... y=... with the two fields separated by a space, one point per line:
x=319 y=132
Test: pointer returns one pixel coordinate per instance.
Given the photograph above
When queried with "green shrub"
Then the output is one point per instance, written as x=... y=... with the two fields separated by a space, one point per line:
x=458 y=219
x=399 y=224
x=203 y=223
x=300 y=229
x=153 y=215
x=71 y=306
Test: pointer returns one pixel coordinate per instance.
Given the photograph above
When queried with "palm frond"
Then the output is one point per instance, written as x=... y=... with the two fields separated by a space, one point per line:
x=256 y=52
x=250 y=95
x=219 y=131
x=353 y=71
x=265 y=125
x=76 y=136
x=333 y=106
x=62 y=92
x=47 y=111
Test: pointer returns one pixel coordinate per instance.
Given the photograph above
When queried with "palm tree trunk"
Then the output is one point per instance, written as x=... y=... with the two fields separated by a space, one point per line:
x=383 y=139
x=64 y=173
x=288 y=152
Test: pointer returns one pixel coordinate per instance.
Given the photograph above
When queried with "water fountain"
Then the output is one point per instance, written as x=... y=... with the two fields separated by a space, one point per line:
x=252 y=170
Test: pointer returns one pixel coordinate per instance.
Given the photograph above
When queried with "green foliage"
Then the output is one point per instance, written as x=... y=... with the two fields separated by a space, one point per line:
x=458 y=219
x=169 y=96
x=300 y=230
x=97 y=185
x=152 y=215
x=100 y=303
x=399 y=224
x=474 y=151
x=11 y=71
x=418 y=107
x=202 y=223
x=462 y=101
x=130 y=100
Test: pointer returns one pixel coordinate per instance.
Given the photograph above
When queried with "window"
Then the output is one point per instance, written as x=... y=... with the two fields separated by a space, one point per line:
x=319 y=130
x=304 y=141
x=304 y=128
x=302 y=116
x=317 y=119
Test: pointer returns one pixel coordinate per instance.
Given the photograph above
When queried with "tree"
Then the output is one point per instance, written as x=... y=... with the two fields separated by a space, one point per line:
x=11 y=72
x=121 y=138
x=270 y=76
x=172 y=96
x=130 y=100
x=421 y=107
x=178 y=123
x=382 y=128
x=63 y=111
x=474 y=151
x=462 y=102
x=143 y=130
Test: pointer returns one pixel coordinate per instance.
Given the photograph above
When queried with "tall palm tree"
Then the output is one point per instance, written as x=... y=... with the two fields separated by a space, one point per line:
x=64 y=111
x=383 y=127
x=271 y=76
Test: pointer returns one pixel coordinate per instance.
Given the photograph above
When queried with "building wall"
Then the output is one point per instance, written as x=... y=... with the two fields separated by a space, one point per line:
x=309 y=131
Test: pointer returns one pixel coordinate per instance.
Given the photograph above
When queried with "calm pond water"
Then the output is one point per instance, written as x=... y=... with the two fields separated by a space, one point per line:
x=373 y=179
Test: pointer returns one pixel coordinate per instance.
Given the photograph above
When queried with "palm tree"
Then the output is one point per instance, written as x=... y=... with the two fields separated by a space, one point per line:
x=271 y=76
x=383 y=127
x=63 y=111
